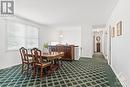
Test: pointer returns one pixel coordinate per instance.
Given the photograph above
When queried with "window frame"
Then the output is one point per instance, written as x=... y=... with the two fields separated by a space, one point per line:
x=7 y=22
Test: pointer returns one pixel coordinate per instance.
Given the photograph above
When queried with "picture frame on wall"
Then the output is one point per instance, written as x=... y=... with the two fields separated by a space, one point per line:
x=119 y=28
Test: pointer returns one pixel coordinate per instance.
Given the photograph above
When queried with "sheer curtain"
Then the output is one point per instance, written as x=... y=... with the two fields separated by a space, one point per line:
x=19 y=35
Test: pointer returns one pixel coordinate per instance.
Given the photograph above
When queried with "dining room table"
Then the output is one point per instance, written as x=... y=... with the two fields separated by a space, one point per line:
x=50 y=56
x=53 y=57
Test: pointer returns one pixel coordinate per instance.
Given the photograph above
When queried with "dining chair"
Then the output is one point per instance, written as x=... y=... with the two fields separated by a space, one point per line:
x=60 y=48
x=38 y=61
x=26 y=61
x=53 y=49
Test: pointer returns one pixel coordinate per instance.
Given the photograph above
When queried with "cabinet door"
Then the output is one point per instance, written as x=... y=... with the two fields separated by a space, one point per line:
x=68 y=52
x=60 y=48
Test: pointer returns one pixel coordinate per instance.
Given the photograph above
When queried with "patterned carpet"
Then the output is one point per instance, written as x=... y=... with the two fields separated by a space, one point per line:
x=83 y=73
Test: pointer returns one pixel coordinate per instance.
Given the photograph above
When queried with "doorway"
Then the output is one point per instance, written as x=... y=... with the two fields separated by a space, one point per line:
x=97 y=41
x=98 y=46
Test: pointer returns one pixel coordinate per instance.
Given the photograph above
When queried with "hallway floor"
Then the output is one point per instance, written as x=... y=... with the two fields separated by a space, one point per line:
x=86 y=72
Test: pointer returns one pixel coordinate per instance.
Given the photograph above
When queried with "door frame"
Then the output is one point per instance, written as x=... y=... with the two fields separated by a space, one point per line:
x=93 y=43
x=97 y=34
x=109 y=44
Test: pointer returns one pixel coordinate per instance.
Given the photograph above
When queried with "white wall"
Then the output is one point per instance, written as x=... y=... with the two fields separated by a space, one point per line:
x=44 y=36
x=11 y=58
x=86 y=41
x=77 y=35
x=105 y=42
x=121 y=44
x=71 y=35
x=8 y=58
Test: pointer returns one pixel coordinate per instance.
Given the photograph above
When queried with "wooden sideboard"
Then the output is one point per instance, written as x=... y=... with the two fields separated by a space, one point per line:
x=69 y=51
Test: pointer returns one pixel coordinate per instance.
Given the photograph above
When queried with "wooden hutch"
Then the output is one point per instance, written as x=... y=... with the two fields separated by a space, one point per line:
x=69 y=50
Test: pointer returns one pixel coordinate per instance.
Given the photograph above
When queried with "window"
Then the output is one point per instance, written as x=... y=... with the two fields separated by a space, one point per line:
x=19 y=35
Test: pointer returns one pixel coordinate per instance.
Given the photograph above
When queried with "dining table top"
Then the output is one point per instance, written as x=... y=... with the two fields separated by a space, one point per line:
x=50 y=56
x=53 y=54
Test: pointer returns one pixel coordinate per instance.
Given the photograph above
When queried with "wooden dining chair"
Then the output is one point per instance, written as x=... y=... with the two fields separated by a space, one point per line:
x=26 y=61
x=53 y=49
x=60 y=48
x=38 y=61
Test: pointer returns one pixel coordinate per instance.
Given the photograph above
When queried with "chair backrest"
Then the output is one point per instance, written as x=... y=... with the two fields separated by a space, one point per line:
x=53 y=49
x=60 y=48
x=37 y=55
x=23 y=53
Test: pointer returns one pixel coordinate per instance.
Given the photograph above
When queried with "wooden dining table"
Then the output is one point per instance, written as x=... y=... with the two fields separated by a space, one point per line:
x=52 y=57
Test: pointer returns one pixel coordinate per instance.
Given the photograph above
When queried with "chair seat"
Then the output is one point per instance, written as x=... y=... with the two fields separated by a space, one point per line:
x=29 y=61
x=44 y=64
x=59 y=57
x=39 y=61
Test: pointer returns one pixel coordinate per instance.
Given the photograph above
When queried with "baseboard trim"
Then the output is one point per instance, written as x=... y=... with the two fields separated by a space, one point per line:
x=86 y=56
x=120 y=77
x=9 y=66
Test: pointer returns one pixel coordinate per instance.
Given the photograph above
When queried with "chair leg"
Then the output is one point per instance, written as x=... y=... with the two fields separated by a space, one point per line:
x=32 y=66
x=22 y=67
x=41 y=73
x=34 y=72
x=61 y=62
x=58 y=63
x=27 y=69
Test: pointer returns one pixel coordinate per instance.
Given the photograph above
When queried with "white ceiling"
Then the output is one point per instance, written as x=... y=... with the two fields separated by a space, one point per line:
x=65 y=12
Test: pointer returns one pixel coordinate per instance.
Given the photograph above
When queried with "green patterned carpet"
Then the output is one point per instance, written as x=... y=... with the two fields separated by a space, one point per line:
x=83 y=73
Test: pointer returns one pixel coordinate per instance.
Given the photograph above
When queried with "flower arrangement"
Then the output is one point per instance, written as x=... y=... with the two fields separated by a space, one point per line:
x=45 y=48
x=45 y=45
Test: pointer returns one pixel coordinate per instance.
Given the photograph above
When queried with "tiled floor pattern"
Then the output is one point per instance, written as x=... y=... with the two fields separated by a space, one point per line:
x=83 y=73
